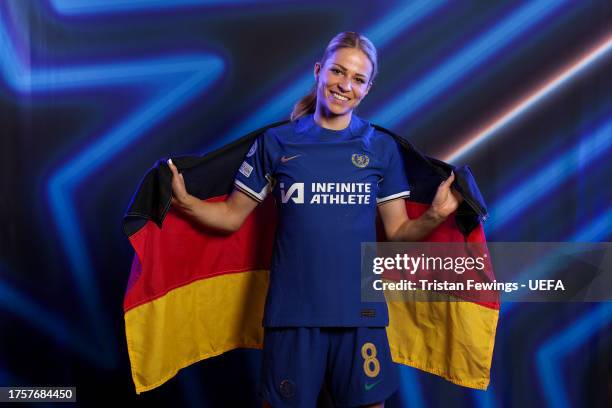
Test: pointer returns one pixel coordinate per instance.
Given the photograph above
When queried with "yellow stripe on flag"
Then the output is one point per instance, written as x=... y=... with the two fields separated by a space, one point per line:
x=452 y=339
x=202 y=319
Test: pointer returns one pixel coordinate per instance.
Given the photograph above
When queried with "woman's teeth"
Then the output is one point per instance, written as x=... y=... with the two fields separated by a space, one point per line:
x=339 y=97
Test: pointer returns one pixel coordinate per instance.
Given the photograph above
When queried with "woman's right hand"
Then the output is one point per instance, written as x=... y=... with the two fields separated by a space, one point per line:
x=180 y=196
x=227 y=215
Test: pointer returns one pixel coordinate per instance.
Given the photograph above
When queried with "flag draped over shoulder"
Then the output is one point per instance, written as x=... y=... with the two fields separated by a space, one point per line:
x=194 y=293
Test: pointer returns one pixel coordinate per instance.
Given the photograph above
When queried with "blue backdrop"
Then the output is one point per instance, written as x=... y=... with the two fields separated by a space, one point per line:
x=93 y=92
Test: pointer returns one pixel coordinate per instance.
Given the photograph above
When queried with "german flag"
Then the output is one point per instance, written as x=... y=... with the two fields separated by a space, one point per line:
x=194 y=293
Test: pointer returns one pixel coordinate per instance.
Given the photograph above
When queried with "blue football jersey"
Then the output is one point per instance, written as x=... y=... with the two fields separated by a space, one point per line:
x=327 y=185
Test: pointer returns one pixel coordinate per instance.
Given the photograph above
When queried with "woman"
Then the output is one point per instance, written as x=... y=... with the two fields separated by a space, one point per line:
x=329 y=172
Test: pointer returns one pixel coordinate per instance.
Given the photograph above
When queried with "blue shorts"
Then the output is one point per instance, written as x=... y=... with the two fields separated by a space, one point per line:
x=355 y=362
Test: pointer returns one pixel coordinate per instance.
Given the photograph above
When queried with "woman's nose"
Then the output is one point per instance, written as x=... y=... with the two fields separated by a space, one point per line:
x=345 y=85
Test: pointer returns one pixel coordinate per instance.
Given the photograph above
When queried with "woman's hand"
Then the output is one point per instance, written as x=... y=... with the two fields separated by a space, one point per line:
x=226 y=216
x=446 y=200
x=180 y=196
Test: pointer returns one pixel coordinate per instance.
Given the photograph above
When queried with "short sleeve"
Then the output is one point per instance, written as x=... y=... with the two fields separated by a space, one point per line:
x=394 y=183
x=254 y=175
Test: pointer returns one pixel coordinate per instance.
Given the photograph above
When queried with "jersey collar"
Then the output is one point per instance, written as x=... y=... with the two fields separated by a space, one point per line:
x=357 y=126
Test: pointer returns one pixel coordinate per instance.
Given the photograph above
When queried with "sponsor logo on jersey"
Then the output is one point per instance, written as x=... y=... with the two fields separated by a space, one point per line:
x=360 y=160
x=285 y=159
x=295 y=188
x=252 y=150
x=246 y=169
x=327 y=193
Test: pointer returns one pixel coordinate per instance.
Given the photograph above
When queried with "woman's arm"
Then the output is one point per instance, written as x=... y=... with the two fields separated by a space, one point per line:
x=226 y=215
x=399 y=227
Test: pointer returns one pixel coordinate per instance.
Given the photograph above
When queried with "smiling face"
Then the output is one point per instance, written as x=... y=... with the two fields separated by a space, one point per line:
x=343 y=81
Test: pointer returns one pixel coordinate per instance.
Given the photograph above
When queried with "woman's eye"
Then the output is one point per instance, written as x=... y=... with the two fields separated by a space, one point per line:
x=338 y=71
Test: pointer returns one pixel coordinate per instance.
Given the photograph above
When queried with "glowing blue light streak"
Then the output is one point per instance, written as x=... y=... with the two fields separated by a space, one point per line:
x=596 y=230
x=55 y=327
x=552 y=175
x=531 y=101
x=186 y=76
x=465 y=61
x=83 y=7
x=551 y=353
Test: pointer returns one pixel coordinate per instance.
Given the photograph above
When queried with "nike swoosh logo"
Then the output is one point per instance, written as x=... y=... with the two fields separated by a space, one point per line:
x=285 y=159
x=368 y=387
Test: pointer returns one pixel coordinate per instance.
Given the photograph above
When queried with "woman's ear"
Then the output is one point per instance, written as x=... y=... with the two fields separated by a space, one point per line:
x=317 y=70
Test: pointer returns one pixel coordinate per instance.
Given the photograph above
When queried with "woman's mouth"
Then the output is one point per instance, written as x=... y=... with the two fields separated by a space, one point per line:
x=340 y=98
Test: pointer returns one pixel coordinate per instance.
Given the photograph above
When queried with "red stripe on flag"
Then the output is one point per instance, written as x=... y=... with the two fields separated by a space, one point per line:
x=182 y=252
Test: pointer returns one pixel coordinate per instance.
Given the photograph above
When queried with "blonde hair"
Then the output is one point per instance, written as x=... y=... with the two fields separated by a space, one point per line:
x=346 y=39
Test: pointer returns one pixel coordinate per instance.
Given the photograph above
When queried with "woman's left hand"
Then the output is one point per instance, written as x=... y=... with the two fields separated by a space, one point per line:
x=446 y=200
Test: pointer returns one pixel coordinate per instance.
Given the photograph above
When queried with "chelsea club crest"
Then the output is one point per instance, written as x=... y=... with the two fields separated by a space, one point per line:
x=360 y=160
